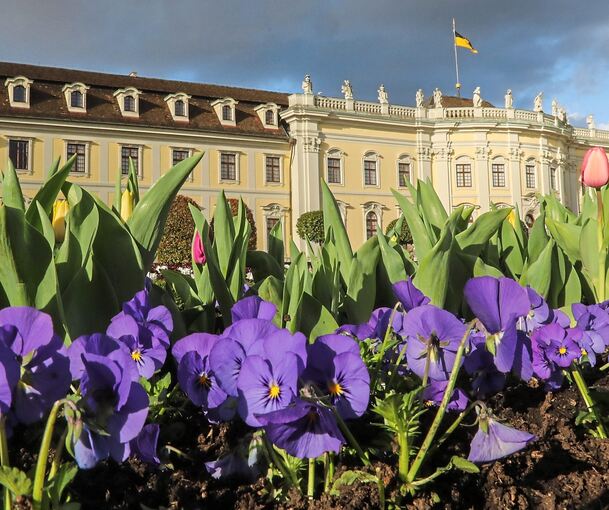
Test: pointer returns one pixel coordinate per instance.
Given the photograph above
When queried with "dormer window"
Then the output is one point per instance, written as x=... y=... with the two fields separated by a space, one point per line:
x=128 y=101
x=178 y=106
x=18 y=91
x=76 y=97
x=268 y=114
x=225 y=110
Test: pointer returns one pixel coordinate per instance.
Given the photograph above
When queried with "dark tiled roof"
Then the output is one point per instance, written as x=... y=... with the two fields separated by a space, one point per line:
x=458 y=102
x=47 y=100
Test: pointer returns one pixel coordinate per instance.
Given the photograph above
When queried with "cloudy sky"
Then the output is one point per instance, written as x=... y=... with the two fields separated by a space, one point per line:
x=560 y=47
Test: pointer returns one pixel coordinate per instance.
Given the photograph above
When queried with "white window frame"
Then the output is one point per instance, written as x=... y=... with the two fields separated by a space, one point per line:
x=190 y=153
x=120 y=95
x=30 y=169
x=371 y=156
x=140 y=154
x=278 y=212
x=87 y=145
x=533 y=163
x=237 y=169
x=262 y=110
x=11 y=83
x=227 y=101
x=273 y=155
x=171 y=100
x=68 y=88
x=499 y=160
x=404 y=159
x=376 y=208
x=335 y=153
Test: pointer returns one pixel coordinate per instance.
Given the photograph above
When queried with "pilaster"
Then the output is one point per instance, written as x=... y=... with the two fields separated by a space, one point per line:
x=482 y=154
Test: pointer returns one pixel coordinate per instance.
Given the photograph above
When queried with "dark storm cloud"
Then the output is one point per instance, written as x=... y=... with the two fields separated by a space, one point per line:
x=557 y=46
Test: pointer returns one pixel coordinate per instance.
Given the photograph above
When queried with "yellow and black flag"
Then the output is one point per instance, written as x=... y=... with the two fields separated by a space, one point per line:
x=464 y=42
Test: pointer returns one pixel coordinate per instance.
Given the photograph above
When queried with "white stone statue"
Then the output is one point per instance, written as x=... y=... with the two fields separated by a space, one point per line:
x=347 y=90
x=590 y=122
x=509 y=100
x=307 y=84
x=437 y=98
x=562 y=114
x=538 y=103
x=383 y=96
x=420 y=97
x=477 y=99
x=554 y=108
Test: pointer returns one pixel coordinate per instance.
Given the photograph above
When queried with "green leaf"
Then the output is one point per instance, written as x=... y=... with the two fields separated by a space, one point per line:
x=538 y=239
x=567 y=237
x=431 y=205
x=539 y=274
x=464 y=465
x=432 y=277
x=420 y=236
x=275 y=243
x=262 y=265
x=44 y=226
x=391 y=259
x=350 y=477
x=589 y=250
x=512 y=250
x=314 y=319
x=65 y=474
x=474 y=238
x=271 y=290
x=11 y=189
x=224 y=232
x=184 y=288
x=15 y=481
x=333 y=221
x=132 y=182
x=148 y=218
x=361 y=288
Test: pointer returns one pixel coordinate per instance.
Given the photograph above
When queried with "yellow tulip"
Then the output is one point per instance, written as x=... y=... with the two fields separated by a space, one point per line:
x=512 y=218
x=126 y=204
x=60 y=209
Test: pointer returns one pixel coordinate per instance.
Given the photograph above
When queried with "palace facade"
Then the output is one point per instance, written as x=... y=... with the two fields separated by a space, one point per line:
x=272 y=149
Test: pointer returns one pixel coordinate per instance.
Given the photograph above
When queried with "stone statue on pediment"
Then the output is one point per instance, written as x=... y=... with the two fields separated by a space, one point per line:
x=437 y=98
x=383 y=96
x=590 y=122
x=554 y=108
x=347 y=90
x=307 y=84
x=538 y=102
x=477 y=98
x=509 y=100
x=420 y=98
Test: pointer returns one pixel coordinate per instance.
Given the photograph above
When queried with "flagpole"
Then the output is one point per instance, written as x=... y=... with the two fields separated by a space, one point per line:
x=458 y=84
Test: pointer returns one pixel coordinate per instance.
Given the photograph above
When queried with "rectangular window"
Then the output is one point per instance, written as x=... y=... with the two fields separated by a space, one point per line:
x=529 y=174
x=179 y=155
x=553 y=184
x=272 y=169
x=369 y=173
x=270 y=224
x=403 y=174
x=464 y=175
x=126 y=153
x=80 y=149
x=228 y=167
x=19 y=152
x=334 y=170
x=498 y=171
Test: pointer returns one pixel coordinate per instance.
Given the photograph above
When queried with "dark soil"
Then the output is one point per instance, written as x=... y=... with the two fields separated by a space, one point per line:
x=563 y=469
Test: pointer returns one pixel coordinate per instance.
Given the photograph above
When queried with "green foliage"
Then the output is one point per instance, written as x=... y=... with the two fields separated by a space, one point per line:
x=233 y=205
x=404 y=236
x=176 y=244
x=310 y=225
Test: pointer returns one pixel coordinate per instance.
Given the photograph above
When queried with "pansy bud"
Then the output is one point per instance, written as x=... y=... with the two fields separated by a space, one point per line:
x=126 y=204
x=60 y=209
x=595 y=168
x=198 y=252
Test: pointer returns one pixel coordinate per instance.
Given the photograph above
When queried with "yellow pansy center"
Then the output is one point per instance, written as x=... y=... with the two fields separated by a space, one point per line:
x=335 y=389
x=584 y=352
x=274 y=391
x=204 y=380
x=562 y=350
x=136 y=355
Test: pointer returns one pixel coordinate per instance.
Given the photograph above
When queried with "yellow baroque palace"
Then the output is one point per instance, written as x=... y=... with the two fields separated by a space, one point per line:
x=272 y=149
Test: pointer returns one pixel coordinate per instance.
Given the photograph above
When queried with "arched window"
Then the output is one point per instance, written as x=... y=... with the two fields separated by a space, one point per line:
x=371 y=224
x=529 y=220
x=19 y=94
x=463 y=171
x=227 y=112
x=76 y=100
x=270 y=117
x=180 y=110
x=334 y=174
x=371 y=164
x=129 y=104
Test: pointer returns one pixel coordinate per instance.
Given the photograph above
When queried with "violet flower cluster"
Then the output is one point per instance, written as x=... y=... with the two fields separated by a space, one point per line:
x=273 y=379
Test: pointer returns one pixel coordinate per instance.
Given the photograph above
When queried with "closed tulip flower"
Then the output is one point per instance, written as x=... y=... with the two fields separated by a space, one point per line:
x=198 y=251
x=60 y=209
x=595 y=168
x=126 y=204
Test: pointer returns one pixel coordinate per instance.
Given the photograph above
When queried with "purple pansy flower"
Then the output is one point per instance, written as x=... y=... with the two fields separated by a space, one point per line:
x=144 y=446
x=480 y=364
x=337 y=369
x=35 y=367
x=434 y=333
x=554 y=348
x=408 y=295
x=494 y=440
x=244 y=462
x=114 y=410
x=253 y=307
x=434 y=393
x=377 y=325
x=499 y=303
x=304 y=429
x=593 y=322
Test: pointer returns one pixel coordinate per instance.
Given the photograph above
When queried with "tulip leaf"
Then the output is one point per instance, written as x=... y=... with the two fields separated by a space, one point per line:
x=148 y=218
x=12 y=195
x=566 y=236
x=512 y=250
x=271 y=290
x=45 y=227
x=394 y=265
x=361 y=288
x=224 y=232
x=589 y=250
x=432 y=276
x=429 y=202
x=474 y=238
x=314 y=319
x=420 y=236
x=263 y=265
x=538 y=238
x=333 y=221
x=539 y=274
x=275 y=243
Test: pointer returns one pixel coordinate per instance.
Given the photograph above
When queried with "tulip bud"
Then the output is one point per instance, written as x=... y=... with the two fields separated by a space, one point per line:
x=126 y=204
x=595 y=168
x=198 y=252
x=60 y=209
x=512 y=218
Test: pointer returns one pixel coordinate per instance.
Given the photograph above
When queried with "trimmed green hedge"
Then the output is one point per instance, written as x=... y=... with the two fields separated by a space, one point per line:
x=175 y=245
x=310 y=226
x=405 y=236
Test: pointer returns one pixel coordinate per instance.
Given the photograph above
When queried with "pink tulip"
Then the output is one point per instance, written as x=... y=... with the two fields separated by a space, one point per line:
x=198 y=252
x=595 y=168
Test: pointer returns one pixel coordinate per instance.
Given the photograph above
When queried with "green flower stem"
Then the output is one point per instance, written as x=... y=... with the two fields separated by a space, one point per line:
x=329 y=468
x=601 y=248
x=431 y=433
x=287 y=474
x=4 y=461
x=383 y=348
x=311 y=479
x=404 y=455
x=352 y=441
x=583 y=390
x=454 y=425
x=394 y=371
x=58 y=453
x=43 y=455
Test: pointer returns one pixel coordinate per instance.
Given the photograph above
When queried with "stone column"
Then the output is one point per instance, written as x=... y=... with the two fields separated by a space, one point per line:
x=424 y=162
x=516 y=176
x=545 y=158
x=442 y=185
x=482 y=176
